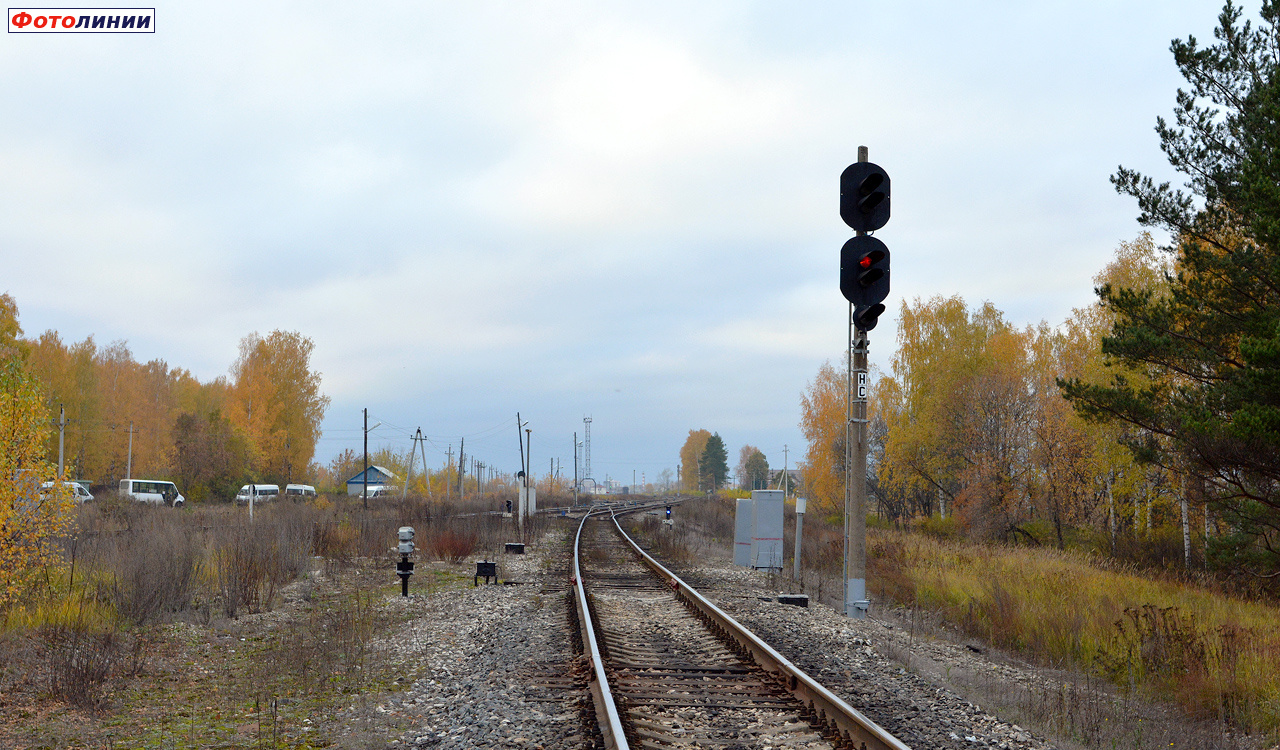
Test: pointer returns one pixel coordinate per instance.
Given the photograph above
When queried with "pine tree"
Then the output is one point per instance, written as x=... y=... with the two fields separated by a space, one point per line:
x=1197 y=369
x=713 y=464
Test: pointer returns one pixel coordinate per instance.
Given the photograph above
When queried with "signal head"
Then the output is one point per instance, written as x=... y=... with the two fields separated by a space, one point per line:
x=864 y=278
x=864 y=196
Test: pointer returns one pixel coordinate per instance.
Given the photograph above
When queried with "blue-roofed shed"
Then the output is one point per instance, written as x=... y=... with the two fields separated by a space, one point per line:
x=379 y=476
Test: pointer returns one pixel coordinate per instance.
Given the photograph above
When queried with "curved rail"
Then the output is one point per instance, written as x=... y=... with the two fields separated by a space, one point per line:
x=606 y=710
x=847 y=720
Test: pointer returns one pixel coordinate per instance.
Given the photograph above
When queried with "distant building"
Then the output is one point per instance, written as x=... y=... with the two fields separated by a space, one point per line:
x=379 y=476
x=775 y=478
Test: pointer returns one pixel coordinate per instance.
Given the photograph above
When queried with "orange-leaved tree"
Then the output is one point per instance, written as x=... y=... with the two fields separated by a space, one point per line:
x=690 y=456
x=276 y=401
x=822 y=421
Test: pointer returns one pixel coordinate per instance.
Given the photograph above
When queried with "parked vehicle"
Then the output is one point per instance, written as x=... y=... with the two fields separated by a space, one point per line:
x=382 y=490
x=259 y=493
x=152 y=491
x=296 y=491
x=78 y=491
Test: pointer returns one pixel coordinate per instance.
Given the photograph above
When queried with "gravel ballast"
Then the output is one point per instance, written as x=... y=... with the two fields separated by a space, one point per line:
x=495 y=664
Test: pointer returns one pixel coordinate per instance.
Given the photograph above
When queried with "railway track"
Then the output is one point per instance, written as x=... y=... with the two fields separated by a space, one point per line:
x=670 y=670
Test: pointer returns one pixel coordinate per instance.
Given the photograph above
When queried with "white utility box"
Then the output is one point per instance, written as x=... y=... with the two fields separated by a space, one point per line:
x=529 y=501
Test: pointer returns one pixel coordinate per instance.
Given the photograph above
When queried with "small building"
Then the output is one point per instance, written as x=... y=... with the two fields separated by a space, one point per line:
x=775 y=479
x=379 y=476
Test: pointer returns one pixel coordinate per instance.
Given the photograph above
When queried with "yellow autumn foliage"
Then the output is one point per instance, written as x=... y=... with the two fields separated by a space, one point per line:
x=31 y=523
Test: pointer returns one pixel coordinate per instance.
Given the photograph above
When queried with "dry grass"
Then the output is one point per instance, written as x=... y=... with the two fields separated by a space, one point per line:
x=675 y=543
x=1112 y=639
x=101 y=632
x=1216 y=656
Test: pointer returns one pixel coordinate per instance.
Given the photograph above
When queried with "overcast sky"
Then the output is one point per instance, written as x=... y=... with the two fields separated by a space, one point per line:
x=622 y=210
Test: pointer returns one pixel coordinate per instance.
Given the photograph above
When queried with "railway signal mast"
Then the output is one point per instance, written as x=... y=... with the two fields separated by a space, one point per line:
x=864 y=281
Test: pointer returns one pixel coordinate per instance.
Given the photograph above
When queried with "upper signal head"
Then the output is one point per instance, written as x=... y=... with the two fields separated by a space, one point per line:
x=864 y=196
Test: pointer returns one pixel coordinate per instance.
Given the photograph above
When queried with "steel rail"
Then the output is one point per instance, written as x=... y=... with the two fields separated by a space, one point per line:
x=606 y=710
x=847 y=720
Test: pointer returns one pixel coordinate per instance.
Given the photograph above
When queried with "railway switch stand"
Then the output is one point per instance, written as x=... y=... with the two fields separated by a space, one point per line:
x=404 y=568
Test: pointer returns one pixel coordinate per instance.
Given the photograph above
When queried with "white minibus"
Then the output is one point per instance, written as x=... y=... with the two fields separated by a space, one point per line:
x=296 y=491
x=152 y=491
x=260 y=493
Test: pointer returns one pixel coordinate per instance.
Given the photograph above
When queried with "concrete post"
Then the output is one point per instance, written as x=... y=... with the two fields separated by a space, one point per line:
x=855 y=451
x=800 y=501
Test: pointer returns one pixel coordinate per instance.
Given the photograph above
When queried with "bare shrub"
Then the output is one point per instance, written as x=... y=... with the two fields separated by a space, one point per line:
x=1001 y=607
x=155 y=567
x=72 y=646
x=712 y=515
x=451 y=545
x=823 y=549
x=293 y=526
x=242 y=568
x=81 y=660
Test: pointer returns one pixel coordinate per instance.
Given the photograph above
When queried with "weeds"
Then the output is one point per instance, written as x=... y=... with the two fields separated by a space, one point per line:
x=673 y=543
x=134 y=568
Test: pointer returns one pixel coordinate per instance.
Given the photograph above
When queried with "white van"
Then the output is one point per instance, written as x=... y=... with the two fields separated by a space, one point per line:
x=152 y=491
x=299 y=491
x=78 y=492
x=259 y=493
